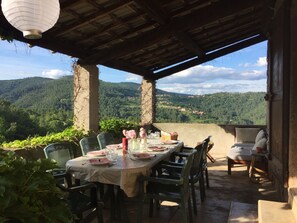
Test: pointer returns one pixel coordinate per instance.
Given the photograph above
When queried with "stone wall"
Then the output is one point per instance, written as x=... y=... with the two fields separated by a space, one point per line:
x=223 y=136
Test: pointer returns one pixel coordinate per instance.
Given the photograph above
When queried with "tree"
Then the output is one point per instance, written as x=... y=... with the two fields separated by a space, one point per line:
x=15 y=123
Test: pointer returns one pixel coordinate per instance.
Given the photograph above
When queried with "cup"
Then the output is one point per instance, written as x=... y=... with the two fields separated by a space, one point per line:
x=111 y=155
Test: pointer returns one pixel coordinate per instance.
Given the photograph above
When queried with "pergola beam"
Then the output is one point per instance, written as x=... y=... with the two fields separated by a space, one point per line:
x=121 y=65
x=210 y=56
x=189 y=43
x=200 y=19
x=153 y=9
x=88 y=19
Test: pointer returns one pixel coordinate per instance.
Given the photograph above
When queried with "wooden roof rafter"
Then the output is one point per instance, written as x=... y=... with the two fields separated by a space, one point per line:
x=150 y=38
x=158 y=34
x=208 y=57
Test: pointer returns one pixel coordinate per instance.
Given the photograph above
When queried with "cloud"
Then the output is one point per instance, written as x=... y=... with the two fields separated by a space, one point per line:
x=55 y=73
x=133 y=78
x=245 y=65
x=261 y=62
x=205 y=73
x=209 y=88
x=207 y=79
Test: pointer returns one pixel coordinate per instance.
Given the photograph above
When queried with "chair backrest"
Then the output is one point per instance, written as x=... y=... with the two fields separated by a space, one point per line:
x=61 y=152
x=204 y=147
x=88 y=144
x=198 y=159
x=188 y=165
x=104 y=139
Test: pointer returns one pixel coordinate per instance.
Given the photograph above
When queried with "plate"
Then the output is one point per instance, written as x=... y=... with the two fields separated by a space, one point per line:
x=97 y=153
x=114 y=146
x=142 y=156
x=99 y=161
x=157 y=148
x=170 y=142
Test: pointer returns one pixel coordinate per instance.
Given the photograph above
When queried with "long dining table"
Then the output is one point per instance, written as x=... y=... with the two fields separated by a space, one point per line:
x=124 y=172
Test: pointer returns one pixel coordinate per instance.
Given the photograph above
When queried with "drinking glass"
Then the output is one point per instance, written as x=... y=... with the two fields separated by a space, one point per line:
x=111 y=155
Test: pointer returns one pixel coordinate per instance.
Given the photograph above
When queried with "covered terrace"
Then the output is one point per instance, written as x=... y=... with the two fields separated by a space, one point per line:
x=155 y=39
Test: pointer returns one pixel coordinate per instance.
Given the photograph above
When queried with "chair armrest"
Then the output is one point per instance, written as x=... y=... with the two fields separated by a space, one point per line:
x=186 y=148
x=172 y=167
x=166 y=181
x=168 y=168
x=64 y=175
x=82 y=187
x=181 y=154
x=178 y=156
x=164 y=162
x=60 y=175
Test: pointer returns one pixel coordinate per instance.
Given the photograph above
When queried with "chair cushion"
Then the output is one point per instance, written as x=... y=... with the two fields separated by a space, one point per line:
x=244 y=145
x=240 y=153
x=261 y=143
x=246 y=135
x=261 y=134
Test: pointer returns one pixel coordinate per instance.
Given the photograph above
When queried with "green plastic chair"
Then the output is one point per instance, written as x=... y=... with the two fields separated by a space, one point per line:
x=174 y=189
x=88 y=144
x=82 y=200
x=61 y=152
x=104 y=139
x=196 y=173
x=205 y=170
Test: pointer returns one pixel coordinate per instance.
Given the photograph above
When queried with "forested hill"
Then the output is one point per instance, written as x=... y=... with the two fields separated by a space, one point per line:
x=43 y=96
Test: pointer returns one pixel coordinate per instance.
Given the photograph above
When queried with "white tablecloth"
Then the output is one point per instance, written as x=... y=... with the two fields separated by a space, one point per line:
x=123 y=173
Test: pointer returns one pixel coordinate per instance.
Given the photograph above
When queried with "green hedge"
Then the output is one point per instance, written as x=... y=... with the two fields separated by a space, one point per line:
x=70 y=134
x=113 y=125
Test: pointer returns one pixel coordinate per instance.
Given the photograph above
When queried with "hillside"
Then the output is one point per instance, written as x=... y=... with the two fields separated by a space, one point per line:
x=48 y=97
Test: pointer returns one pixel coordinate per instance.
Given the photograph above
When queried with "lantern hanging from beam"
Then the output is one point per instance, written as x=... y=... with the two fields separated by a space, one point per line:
x=32 y=17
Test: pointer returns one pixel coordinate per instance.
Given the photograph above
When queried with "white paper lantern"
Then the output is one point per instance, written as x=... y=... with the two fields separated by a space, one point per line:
x=32 y=17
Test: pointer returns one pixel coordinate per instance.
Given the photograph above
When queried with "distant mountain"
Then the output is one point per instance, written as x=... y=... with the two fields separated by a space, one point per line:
x=44 y=95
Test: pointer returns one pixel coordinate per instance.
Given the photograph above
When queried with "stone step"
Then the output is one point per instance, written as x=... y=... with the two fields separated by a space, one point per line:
x=275 y=212
x=243 y=212
x=293 y=201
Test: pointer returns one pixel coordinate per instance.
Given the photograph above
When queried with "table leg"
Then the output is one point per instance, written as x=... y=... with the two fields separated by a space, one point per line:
x=109 y=195
x=252 y=168
x=121 y=210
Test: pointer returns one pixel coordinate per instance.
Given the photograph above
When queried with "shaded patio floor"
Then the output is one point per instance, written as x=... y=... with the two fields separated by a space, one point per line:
x=223 y=190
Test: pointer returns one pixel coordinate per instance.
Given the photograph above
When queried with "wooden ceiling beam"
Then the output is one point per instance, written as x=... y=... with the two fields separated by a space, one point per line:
x=90 y=18
x=121 y=65
x=154 y=10
x=206 y=16
x=189 y=43
x=99 y=32
x=233 y=39
x=68 y=4
x=216 y=44
x=210 y=56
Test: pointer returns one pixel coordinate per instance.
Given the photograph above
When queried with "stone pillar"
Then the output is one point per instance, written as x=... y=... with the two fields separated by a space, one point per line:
x=148 y=102
x=86 y=97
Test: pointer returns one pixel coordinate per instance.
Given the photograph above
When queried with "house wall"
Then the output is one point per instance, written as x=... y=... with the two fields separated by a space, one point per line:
x=293 y=98
x=282 y=73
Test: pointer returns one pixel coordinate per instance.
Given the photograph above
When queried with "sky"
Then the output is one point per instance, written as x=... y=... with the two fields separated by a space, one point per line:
x=241 y=71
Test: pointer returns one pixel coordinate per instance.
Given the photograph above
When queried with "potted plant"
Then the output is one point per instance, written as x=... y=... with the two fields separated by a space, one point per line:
x=28 y=191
